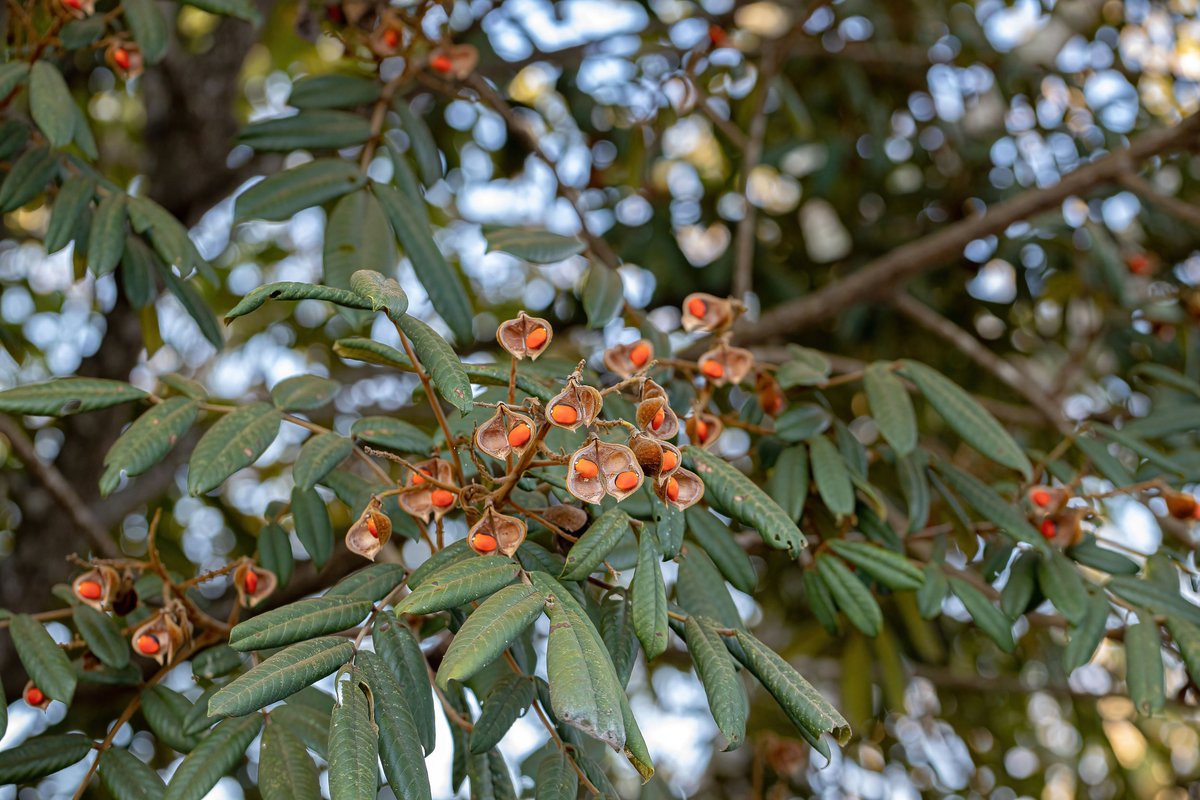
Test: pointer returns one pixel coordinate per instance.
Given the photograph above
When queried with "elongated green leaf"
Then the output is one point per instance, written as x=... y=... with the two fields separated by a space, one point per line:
x=808 y=710
x=726 y=694
x=597 y=542
x=12 y=75
x=424 y=148
x=392 y=434
x=459 y=551
x=369 y=583
x=353 y=746
x=166 y=714
x=383 y=293
x=700 y=589
x=1187 y=638
x=197 y=719
x=218 y=753
x=1085 y=637
x=304 y=393
x=537 y=246
x=1105 y=462
x=806 y=367
x=820 y=601
x=891 y=569
x=1091 y=554
x=215 y=662
x=1153 y=596
x=854 y=599
x=460 y=583
x=309 y=130
x=356 y=238
x=28 y=177
x=616 y=629
x=102 y=635
x=721 y=545
x=139 y=265
x=831 y=476
x=436 y=355
x=127 y=777
x=69 y=205
x=1005 y=514
x=891 y=407
x=506 y=702
x=914 y=484
x=399 y=740
x=1144 y=667
x=318 y=456
x=168 y=235
x=285 y=770
x=1146 y=451
x=1062 y=585
x=286 y=193
x=310 y=724
x=295 y=622
x=41 y=756
x=556 y=778
x=987 y=617
x=194 y=304
x=788 y=482
x=333 y=91
x=149 y=28
x=51 y=104
x=603 y=295
x=1018 y=590
x=148 y=440
x=63 y=396
x=283 y=674
x=44 y=661
x=489 y=631
x=291 y=290
x=234 y=442
x=732 y=493
x=400 y=651
x=969 y=420
x=648 y=597
x=932 y=592
x=275 y=553
x=489 y=776
x=441 y=281
x=313 y=528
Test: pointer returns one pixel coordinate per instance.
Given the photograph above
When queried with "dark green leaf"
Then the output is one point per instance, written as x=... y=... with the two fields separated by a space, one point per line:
x=194 y=304
x=166 y=714
x=309 y=130
x=460 y=583
x=286 y=193
x=586 y=555
x=429 y=160
x=69 y=205
x=63 y=396
x=832 y=477
x=721 y=545
x=400 y=651
x=506 y=702
x=234 y=442
x=616 y=629
x=102 y=635
x=1144 y=667
x=1018 y=591
x=44 y=661
x=852 y=597
x=805 y=367
x=700 y=589
x=295 y=622
x=357 y=238
x=28 y=177
x=436 y=355
x=1061 y=584
x=215 y=662
x=42 y=756
x=914 y=484
x=220 y=751
x=534 y=245
x=648 y=597
x=333 y=91
x=788 y=482
x=556 y=778
x=392 y=434
x=820 y=601
x=285 y=769
x=603 y=295
x=891 y=569
x=313 y=528
x=318 y=456
x=139 y=265
x=987 y=617
x=1006 y=515
x=303 y=393
x=737 y=496
x=284 y=673
x=148 y=26
x=891 y=407
x=51 y=104
x=1154 y=597
x=148 y=440
x=370 y=583
x=353 y=746
x=399 y=740
x=127 y=777
x=726 y=693
x=12 y=75
x=489 y=631
x=932 y=592
x=291 y=290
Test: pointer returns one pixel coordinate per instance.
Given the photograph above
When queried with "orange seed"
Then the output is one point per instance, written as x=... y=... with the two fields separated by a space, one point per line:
x=626 y=481
x=672 y=489
x=713 y=369
x=640 y=354
x=483 y=542
x=586 y=469
x=659 y=418
x=442 y=498
x=147 y=644
x=121 y=58
x=536 y=338
x=90 y=590
x=391 y=37
x=34 y=696
x=251 y=582
x=669 y=460
x=441 y=63
x=519 y=435
x=564 y=414
x=418 y=478
x=1040 y=497
x=701 y=431
x=697 y=307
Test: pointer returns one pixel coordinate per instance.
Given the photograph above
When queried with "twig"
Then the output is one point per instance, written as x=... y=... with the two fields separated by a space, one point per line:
x=1172 y=205
x=434 y=403
x=747 y=227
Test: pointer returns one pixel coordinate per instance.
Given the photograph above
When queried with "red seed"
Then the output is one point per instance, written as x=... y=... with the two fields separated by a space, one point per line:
x=372 y=528
x=148 y=645
x=443 y=498
x=640 y=354
x=418 y=478
x=586 y=469
x=697 y=307
x=659 y=418
x=669 y=460
x=1049 y=529
x=701 y=431
x=1040 y=497
x=536 y=338
x=34 y=696
x=564 y=414
x=672 y=489
x=90 y=590
x=483 y=543
x=519 y=435
x=713 y=370
x=1196 y=512
x=626 y=481
x=441 y=63
x=391 y=38
x=1138 y=264
x=121 y=58
x=251 y=581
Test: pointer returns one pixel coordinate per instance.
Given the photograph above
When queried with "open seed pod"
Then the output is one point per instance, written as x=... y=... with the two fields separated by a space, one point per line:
x=1047 y=499
x=253 y=584
x=565 y=517
x=525 y=336
x=706 y=312
x=626 y=359
x=771 y=398
x=125 y=58
x=458 y=61
x=651 y=389
x=97 y=587
x=495 y=532
x=370 y=532
x=126 y=598
x=724 y=364
x=704 y=428
x=657 y=459
x=1181 y=505
x=35 y=697
x=425 y=499
x=655 y=417
x=388 y=37
x=506 y=432
x=599 y=468
x=1064 y=528
x=576 y=405
x=163 y=634
x=681 y=489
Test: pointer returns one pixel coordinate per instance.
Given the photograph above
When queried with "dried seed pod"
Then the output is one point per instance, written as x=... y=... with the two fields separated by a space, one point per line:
x=1181 y=505
x=1047 y=499
x=458 y=61
x=388 y=37
x=704 y=428
x=576 y=405
x=565 y=517
x=599 y=468
x=418 y=500
x=655 y=417
x=651 y=389
x=706 y=312
x=525 y=336
x=771 y=398
x=724 y=364
x=681 y=489
x=253 y=584
x=656 y=458
x=495 y=532
x=370 y=532
x=163 y=634
x=506 y=432
x=97 y=587
x=126 y=598
x=626 y=359
x=1064 y=528
x=125 y=58
x=35 y=697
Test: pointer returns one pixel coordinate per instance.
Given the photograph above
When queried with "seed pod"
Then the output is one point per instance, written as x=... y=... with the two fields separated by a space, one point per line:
x=655 y=417
x=97 y=587
x=1047 y=499
x=418 y=499
x=599 y=468
x=388 y=37
x=771 y=398
x=253 y=584
x=370 y=532
x=724 y=364
x=35 y=697
x=626 y=359
x=1180 y=505
x=568 y=518
x=657 y=459
x=704 y=428
x=506 y=432
x=706 y=312
x=681 y=489
x=525 y=336
x=495 y=532
x=576 y=405
x=125 y=58
x=80 y=9
x=126 y=599
x=163 y=634
x=457 y=61
x=1064 y=528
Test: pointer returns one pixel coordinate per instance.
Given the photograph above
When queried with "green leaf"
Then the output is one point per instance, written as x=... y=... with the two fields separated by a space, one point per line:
x=27 y=178
x=313 y=528
x=701 y=591
x=820 y=601
x=489 y=631
x=603 y=295
x=535 y=245
x=63 y=396
x=215 y=662
x=45 y=662
x=168 y=235
x=284 y=673
x=1164 y=374
x=1085 y=637
x=400 y=651
x=489 y=777
x=295 y=622
x=460 y=583
x=41 y=756
x=556 y=778
x=586 y=555
x=304 y=393
x=234 y=442
x=139 y=265
x=648 y=597
x=891 y=407
x=808 y=710
x=51 y=104
x=1006 y=515
x=333 y=91
x=1061 y=584
x=1144 y=667
x=383 y=293
x=1146 y=451
x=1187 y=638
x=735 y=495
x=127 y=777
x=424 y=148
x=932 y=592
x=392 y=434
x=318 y=457
x=914 y=484
x=239 y=9
x=285 y=769
x=832 y=477
x=166 y=714
x=1091 y=554
x=148 y=440
x=439 y=560
x=148 y=26
x=309 y=130
x=969 y=420
x=1153 y=596
x=805 y=368
x=72 y=200
x=987 y=617
x=506 y=702
x=399 y=740
x=436 y=355
x=291 y=290
x=720 y=543
x=12 y=75
x=1105 y=462
x=1018 y=590
x=369 y=583
x=789 y=481
x=441 y=281
x=219 y=752
x=616 y=629
x=284 y=194
x=889 y=568
x=356 y=238
x=353 y=746
x=854 y=599
x=194 y=304
x=714 y=665
x=309 y=722
x=102 y=635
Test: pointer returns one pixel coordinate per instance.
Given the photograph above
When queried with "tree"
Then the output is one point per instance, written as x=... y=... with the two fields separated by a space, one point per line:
x=548 y=346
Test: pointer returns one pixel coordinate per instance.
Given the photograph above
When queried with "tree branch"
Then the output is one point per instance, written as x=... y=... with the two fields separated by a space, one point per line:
x=1146 y=190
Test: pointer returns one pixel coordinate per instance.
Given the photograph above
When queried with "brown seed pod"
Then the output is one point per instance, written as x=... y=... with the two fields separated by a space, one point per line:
x=655 y=417
x=599 y=468
x=681 y=489
x=657 y=459
x=97 y=587
x=704 y=428
x=576 y=405
x=163 y=634
x=771 y=398
x=495 y=532
x=253 y=584
x=651 y=389
x=370 y=532
x=506 y=432
x=525 y=336
x=35 y=697
x=1064 y=528
x=126 y=599
x=419 y=499
x=1047 y=499
x=706 y=312
x=626 y=359
x=565 y=517
x=1181 y=505
x=125 y=59
x=457 y=61
x=724 y=364
x=388 y=37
